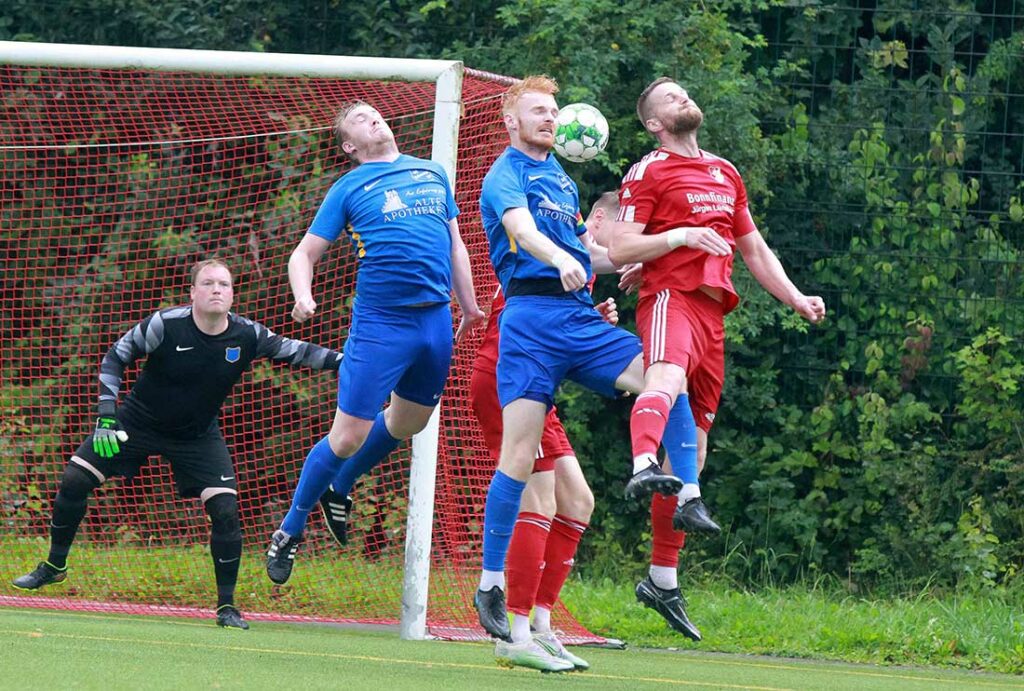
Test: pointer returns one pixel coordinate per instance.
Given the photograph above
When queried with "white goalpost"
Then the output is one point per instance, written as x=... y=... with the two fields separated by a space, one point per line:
x=448 y=78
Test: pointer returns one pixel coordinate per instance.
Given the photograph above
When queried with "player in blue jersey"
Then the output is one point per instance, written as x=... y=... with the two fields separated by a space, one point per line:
x=400 y=215
x=549 y=331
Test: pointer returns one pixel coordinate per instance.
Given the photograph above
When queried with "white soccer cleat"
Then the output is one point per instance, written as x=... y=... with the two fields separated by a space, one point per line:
x=530 y=654
x=549 y=641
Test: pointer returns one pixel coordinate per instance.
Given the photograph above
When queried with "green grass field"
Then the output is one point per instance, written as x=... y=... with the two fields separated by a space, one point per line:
x=980 y=631
x=44 y=649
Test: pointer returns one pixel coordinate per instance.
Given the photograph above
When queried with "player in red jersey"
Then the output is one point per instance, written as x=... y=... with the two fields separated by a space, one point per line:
x=683 y=212
x=557 y=503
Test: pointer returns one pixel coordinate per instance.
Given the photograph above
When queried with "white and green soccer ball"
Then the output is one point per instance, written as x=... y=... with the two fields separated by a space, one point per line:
x=581 y=132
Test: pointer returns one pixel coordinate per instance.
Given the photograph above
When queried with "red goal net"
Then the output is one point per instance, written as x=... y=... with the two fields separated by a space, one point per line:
x=114 y=183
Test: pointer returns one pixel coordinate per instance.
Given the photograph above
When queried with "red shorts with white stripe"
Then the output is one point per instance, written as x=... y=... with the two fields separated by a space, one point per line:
x=483 y=393
x=687 y=329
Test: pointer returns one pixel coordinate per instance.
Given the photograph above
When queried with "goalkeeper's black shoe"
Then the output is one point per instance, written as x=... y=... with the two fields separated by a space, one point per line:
x=693 y=516
x=44 y=574
x=336 y=509
x=281 y=556
x=652 y=479
x=669 y=604
x=490 y=606
x=229 y=617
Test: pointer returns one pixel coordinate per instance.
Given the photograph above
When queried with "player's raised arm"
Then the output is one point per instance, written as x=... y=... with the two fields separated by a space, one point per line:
x=300 y=274
x=294 y=352
x=520 y=226
x=769 y=272
x=462 y=285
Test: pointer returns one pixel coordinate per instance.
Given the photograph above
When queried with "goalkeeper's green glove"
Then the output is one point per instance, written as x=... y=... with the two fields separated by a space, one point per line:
x=107 y=435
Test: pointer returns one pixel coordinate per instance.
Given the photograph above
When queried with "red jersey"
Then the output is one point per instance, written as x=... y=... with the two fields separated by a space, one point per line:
x=665 y=190
x=487 y=354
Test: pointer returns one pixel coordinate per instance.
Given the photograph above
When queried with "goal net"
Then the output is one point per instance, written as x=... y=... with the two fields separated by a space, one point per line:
x=115 y=182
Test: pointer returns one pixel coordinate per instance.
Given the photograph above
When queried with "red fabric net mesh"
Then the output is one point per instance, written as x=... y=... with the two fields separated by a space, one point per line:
x=114 y=183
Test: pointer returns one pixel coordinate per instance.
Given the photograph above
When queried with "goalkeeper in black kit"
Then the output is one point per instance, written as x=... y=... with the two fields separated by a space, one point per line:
x=194 y=356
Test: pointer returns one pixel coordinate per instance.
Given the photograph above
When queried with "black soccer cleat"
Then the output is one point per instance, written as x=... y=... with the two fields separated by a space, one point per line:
x=693 y=516
x=44 y=574
x=652 y=479
x=229 y=617
x=669 y=604
x=336 y=509
x=281 y=556
x=490 y=607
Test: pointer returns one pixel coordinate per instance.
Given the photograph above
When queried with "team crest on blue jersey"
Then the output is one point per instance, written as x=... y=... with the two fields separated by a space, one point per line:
x=421 y=175
x=564 y=181
x=233 y=353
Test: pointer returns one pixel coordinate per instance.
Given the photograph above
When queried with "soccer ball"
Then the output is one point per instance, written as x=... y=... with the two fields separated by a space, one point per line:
x=581 y=132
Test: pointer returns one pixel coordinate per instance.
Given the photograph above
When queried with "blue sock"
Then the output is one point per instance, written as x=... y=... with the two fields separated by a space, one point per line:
x=378 y=445
x=680 y=440
x=500 y=514
x=321 y=465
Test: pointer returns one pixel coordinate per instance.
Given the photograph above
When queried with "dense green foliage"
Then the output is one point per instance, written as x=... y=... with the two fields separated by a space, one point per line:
x=883 y=155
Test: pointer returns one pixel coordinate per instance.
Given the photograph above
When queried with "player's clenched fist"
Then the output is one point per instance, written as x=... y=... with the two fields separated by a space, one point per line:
x=570 y=271
x=810 y=307
x=304 y=309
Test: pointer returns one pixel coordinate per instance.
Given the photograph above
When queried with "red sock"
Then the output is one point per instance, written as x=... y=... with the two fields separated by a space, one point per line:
x=666 y=541
x=525 y=562
x=647 y=422
x=558 y=558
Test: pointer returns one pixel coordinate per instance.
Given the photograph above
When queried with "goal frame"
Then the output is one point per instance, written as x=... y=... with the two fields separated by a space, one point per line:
x=447 y=76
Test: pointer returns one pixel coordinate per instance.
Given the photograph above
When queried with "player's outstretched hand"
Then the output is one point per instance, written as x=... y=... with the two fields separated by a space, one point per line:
x=609 y=311
x=106 y=436
x=304 y=309
x=570 y=271
x=470 y=320
x=811 y=308
x=630 y=278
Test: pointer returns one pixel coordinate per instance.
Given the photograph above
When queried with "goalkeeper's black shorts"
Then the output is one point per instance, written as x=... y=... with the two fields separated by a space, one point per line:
x=196 y=464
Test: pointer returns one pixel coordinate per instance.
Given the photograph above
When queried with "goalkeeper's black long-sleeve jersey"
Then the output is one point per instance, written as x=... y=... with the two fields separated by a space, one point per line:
x=188 y=374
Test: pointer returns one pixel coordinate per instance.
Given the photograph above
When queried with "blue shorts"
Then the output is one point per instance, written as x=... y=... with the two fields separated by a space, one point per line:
x=547 y=339
x=407 y=350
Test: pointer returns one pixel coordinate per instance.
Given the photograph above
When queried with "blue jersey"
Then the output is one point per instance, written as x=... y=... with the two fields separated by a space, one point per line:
x=516 y=180
x=397 y=215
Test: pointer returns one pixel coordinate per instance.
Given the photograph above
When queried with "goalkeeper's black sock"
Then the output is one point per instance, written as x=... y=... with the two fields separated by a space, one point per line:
x=69 y=509
x=225 y=545
x=225 y=595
